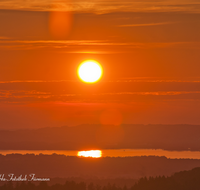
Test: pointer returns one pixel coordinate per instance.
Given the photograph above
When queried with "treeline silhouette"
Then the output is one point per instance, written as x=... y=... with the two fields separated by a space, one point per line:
x=185 y=180
x=120 y=181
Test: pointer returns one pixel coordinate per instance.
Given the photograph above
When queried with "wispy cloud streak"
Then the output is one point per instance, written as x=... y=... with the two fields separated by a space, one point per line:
x=100 y=44
x=147 y=24
x=102 y=6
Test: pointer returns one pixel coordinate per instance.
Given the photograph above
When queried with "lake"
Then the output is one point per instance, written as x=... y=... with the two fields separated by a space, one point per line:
x=115 y=153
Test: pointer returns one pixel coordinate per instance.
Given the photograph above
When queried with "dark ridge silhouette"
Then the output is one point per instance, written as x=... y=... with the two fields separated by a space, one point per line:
x=168 y=137
x=106 y=167
x=184 y=180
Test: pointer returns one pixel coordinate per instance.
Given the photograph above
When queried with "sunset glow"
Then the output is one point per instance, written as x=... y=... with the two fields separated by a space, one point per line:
x=90 y=71
x=103 y=94
x=90 y=153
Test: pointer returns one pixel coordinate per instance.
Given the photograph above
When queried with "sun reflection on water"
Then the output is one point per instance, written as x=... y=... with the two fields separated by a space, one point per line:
x=90 y=153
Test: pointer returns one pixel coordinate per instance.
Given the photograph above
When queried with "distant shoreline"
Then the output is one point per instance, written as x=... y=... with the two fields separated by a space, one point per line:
x=115 y=153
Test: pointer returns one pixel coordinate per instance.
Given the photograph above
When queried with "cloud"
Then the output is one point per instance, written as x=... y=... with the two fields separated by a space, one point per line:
x=92 y=47
x=122 y=80
x=147 y=24
x=34 y=81
x=56 y=44
x=70 y=91
x=159 y=93
x=4 y=38
x=158 y=80
x=102 y=6
x=61 y=45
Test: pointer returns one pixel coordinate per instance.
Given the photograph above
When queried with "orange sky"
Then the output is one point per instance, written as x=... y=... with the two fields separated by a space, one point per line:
x=149 y=52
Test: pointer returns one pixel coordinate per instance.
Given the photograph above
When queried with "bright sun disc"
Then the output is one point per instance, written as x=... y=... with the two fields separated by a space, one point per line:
x=90 y=71
x=90 y=153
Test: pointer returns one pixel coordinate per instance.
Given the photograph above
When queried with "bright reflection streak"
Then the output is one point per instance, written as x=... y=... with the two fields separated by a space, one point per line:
x=90 y=153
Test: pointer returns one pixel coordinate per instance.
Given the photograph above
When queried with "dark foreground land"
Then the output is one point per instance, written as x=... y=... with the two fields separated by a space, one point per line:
x=185 y=180
x=62 y=166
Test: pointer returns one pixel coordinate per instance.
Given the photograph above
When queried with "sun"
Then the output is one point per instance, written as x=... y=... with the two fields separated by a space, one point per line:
x=90 y=71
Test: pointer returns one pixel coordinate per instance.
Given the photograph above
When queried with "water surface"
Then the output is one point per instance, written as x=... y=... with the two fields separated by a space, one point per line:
x=115 y=153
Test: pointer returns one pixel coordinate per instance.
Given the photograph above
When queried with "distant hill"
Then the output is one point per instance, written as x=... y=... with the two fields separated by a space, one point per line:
x=168 y=137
